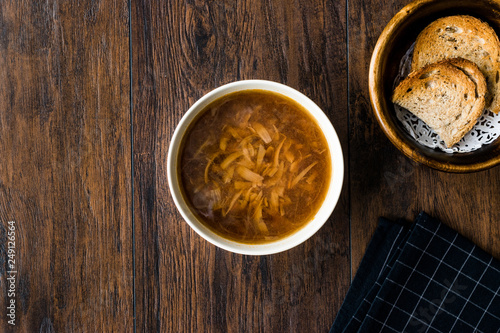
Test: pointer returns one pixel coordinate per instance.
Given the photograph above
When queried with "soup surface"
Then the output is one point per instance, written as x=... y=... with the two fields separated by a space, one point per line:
x=255 y=167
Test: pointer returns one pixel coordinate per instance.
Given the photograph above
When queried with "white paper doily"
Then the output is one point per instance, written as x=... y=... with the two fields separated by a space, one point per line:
x=486 y=130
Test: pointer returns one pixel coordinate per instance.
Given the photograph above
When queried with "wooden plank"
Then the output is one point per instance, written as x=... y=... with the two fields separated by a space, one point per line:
x=182 y=50
x=65 y=164
x=383 y=181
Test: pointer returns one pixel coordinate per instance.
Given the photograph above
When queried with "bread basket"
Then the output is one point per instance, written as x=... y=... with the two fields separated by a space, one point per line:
x=397 y=37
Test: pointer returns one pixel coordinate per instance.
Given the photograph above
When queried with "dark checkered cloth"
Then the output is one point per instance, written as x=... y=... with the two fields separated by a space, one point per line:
x=422 y=278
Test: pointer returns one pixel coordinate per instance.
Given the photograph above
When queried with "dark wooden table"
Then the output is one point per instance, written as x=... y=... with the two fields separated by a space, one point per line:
x=90 y=94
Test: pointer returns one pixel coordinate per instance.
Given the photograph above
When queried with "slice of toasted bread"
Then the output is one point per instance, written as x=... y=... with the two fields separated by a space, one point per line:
x=449 y=96
x=462 y=37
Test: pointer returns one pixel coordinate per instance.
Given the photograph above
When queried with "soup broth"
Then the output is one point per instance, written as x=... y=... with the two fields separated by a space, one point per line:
x=254 y=167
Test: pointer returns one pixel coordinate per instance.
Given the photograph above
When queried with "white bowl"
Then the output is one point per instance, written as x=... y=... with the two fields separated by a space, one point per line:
x=300 y=235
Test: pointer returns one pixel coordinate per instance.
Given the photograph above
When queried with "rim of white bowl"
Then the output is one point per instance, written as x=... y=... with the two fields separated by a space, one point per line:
x=302 y=234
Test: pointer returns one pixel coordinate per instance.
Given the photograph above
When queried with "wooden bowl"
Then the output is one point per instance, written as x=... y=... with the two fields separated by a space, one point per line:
x=395 y=40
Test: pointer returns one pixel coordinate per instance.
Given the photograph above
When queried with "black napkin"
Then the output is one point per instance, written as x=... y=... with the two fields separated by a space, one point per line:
x=422 y=278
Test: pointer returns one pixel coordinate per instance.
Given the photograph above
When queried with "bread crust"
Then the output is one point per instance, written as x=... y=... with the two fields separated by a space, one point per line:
x=464 y=37
x=449 y=96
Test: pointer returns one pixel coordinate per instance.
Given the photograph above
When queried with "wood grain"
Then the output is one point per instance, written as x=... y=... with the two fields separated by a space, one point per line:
x=65 y=164
x=66 y=158
x=383 y=181
x=182 y=50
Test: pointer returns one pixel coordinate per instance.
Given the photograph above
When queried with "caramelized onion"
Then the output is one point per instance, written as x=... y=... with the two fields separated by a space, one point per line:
x=253 y=173
x=249 y=175
x=260 y=166
x=230 y=159
x=262 y=132
x=302 y=174
x=233 y=201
